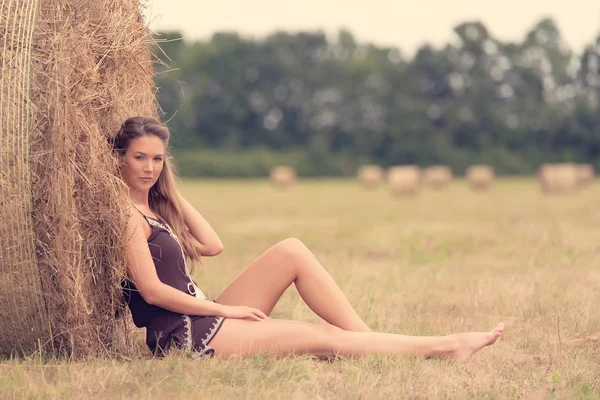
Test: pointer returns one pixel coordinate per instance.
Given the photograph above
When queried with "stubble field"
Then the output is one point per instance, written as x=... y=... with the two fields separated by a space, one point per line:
x=441 y=262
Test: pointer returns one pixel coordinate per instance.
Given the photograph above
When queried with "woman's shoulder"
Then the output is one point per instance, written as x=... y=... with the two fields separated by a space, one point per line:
x=147 y=213
x=135 y=219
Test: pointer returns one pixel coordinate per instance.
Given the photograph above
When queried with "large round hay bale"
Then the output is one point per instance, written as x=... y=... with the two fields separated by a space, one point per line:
x=558 y=178
x=585 y=174
x=480 y=177
x=23 y=316
x=437 y=176
x=73 y=71
x=282 y=176
x=370 y=176
x=404 y=179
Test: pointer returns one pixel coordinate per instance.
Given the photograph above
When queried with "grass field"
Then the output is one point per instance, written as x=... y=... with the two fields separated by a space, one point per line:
x=441 y=262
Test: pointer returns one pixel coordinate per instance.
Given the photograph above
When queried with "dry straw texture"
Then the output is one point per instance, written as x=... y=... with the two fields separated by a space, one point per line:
x=282 y=176
x=78 y=68
x=404 y=179
x=23 y=316
x=370 y=176
x=437 y=176
x=480 y=177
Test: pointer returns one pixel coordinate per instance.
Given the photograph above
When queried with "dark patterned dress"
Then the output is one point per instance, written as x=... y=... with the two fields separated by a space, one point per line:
x=165 y=328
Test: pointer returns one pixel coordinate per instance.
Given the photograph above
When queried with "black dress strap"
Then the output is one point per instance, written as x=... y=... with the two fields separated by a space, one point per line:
x=143 y=215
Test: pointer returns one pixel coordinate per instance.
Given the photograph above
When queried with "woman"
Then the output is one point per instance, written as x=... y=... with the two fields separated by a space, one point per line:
x=164 y=230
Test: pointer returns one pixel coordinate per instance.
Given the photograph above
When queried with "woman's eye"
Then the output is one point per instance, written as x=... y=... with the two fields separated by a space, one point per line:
x=158 y=159
x=138 y=157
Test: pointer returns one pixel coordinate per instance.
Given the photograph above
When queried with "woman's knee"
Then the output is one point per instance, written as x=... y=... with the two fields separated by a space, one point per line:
x=321 y=338
x=292 y=247
x=330 y=337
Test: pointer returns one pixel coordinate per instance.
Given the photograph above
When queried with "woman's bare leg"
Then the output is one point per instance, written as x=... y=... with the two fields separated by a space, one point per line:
x=280 y=337
x=264 y=281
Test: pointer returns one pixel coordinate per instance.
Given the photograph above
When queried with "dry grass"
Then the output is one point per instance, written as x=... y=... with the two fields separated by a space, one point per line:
x=432 y=264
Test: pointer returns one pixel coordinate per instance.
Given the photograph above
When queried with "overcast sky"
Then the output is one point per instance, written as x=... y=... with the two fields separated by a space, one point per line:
x=400 y=23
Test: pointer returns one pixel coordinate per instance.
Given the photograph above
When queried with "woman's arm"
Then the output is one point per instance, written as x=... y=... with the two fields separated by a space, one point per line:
x=205 y=238
x=142 y=272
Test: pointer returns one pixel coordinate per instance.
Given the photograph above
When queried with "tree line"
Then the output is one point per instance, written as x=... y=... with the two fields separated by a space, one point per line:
x=237 y=106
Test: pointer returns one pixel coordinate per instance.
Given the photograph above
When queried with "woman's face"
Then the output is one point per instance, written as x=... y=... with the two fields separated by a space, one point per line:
x=143 y=162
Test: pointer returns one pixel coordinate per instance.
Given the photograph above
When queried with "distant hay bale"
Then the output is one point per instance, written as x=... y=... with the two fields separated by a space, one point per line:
x=404 y=179
x=585 y=174
x=558 y=178
x=370 y=176
x=73 y=71
x=480 y=177
x=282 y=176
x=437 y=176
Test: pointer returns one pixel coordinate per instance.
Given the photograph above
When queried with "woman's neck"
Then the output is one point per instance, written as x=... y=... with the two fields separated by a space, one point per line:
x=139 y=198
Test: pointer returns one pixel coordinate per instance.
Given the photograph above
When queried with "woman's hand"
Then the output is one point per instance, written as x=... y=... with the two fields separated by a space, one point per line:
x=243 y=312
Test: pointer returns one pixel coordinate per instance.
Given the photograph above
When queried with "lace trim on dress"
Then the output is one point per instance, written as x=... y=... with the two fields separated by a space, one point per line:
x=206 y=349
x=187 y=333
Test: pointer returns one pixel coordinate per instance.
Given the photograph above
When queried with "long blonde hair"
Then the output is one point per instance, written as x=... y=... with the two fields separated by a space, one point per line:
x=161 y=198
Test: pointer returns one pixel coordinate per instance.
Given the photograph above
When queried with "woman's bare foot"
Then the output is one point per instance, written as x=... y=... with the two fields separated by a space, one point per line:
x=469 y=343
